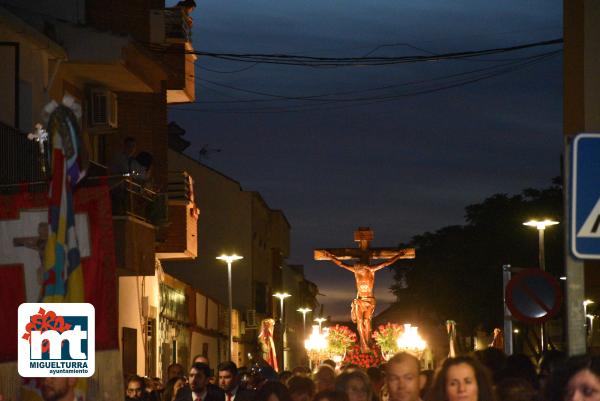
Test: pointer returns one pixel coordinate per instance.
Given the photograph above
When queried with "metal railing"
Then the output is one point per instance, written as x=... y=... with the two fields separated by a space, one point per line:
x=130 y=197
x=178 y=25
x=21 y=160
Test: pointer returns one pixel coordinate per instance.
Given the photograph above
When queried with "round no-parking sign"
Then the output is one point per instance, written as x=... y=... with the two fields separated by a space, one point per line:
x=533 y=296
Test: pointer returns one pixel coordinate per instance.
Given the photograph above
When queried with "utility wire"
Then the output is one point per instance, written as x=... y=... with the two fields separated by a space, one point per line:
x=327 y=96
x=312 y=61
x=380 y=99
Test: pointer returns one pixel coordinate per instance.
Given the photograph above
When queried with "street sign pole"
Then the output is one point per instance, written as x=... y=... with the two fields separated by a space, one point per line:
x=575 y=285
x=508 y=324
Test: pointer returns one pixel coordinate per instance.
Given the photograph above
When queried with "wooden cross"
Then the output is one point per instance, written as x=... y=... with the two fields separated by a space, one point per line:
x=364 y=252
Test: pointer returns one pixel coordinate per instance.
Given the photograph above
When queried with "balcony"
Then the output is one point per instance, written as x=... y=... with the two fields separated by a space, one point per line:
x=179 y=238
x=171 y=35
x=170 y=25
x=137 y=212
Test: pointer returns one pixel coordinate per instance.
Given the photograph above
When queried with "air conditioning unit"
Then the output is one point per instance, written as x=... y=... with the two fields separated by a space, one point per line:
x=251 y=319
x=103 y=108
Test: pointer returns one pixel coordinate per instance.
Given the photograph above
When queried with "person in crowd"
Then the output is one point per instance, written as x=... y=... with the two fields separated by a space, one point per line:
x=174 y=370
x=549 y=361
x=135 y=388
x=197 y=388
x=301 y=388
x=330 y=362
x=377 y=379
x=462 y=379
x=172 y=387
x=261 y=375
x=515 y=389
x=577 y=379
x=273 y=391
x=284 y=376
x=426 y=381
x=324 y=378
x=58 y=388
x=494 y=359
x=330 y=395
x=301 y=371
x=356 y=385
x=229 y=382
x=402 y=378
x=519 y=366
x=212 y=385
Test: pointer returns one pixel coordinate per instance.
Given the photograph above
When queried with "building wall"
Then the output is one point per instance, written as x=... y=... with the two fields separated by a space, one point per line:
x=132 y=290
x=223 y=227
x=33 y=76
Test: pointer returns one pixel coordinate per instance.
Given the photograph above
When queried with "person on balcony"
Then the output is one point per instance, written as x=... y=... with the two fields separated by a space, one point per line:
x=187 y=6
x=125 y=162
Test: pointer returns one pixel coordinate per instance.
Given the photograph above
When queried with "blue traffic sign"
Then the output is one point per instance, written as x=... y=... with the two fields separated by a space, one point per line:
x=585 y=197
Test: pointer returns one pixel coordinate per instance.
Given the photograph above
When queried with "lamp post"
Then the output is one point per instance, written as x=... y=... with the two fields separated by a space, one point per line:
x=304 y=311
x=320 y=320
x=282 y=296
x=541 y=227
x=229 y=259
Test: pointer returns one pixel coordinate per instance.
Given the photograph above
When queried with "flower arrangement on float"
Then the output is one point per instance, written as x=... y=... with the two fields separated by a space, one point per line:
x=340 y=339
x=386 y=337
x=365 y=360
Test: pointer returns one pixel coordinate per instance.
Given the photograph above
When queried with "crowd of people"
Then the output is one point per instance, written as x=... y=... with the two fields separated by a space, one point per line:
x=486 y=375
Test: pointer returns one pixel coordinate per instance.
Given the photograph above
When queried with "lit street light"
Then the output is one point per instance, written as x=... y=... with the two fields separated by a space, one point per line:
x=320 y=320
x=229 y=259
x=304 y=311
x=541 y=227
x=282 y=296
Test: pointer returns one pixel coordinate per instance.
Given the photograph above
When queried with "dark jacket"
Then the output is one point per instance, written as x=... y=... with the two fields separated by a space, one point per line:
x=214 y=393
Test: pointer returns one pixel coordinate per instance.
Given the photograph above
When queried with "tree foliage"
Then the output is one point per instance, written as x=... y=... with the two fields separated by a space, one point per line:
x=457 y=273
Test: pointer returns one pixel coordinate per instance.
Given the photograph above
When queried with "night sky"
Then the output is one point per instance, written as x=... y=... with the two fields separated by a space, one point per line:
x=401 y=167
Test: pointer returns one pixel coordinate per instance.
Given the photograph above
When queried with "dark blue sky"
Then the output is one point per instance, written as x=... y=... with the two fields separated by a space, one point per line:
x=401 y=167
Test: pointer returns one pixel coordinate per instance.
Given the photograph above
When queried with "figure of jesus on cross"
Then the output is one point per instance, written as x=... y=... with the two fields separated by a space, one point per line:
x=363 y=305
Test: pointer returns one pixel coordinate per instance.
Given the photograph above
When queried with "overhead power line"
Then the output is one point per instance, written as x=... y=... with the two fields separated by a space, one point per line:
x=422 y=87
x=313 y=61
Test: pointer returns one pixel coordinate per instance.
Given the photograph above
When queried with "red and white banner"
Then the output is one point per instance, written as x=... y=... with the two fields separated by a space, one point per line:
x=23 y=234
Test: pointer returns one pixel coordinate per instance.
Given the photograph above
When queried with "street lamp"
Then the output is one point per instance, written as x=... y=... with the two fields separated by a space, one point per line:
x=229 y=259
x=320 y=320
x=541 y=226
x=282 y=296
x=304 y=311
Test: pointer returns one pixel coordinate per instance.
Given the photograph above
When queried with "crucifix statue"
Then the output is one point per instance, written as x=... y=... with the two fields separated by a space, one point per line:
x=363 y=305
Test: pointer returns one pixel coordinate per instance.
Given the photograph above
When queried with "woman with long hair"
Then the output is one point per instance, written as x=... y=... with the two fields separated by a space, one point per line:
x=578 y=379
x=462 y=379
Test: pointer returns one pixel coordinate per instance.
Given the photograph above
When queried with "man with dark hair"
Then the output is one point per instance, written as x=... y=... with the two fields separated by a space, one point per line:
x=197 y=389
x=229 y=382
x=402 y=377
x=135 y=388
x=174 y=370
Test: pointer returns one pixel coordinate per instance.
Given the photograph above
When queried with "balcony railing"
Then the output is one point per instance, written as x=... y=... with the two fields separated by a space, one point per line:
x=131 y=198
x=170 y=25
x=178 y=25
x=20 y=158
